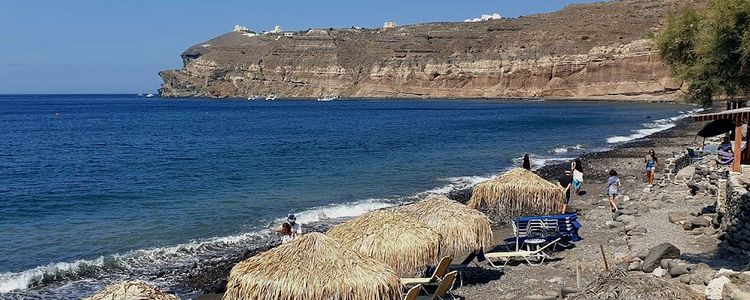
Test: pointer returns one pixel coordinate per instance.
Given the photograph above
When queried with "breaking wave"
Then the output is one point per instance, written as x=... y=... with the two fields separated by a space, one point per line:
x=652 y=127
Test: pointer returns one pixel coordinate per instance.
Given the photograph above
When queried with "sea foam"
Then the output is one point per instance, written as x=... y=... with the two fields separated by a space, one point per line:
x=652 y=127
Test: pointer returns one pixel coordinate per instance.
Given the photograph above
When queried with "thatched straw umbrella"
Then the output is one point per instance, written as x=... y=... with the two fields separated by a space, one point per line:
x=633 y=285
x=400 y=241
x=131 y=290
x=516 y=193
x=312 y=266
x=463 y=229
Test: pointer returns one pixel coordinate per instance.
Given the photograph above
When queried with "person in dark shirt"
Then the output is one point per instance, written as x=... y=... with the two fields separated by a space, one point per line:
x=566 y=182
x=526 y=162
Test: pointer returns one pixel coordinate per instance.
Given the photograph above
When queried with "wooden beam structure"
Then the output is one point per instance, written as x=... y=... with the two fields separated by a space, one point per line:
x=739 y=116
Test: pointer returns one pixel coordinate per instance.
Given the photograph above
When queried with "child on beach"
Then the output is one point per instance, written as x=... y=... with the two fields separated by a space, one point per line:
x=613 y=189
x=577 y=168
x=651 y=163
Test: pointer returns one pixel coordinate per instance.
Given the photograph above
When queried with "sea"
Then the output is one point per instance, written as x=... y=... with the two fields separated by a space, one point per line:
x=100 y=188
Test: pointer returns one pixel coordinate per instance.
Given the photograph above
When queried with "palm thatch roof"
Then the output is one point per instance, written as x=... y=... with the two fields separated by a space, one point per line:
x=131 y=290
x=312 y=266
x=463 y=229
x=618 y=284
x=400 y=241
x=515 y=193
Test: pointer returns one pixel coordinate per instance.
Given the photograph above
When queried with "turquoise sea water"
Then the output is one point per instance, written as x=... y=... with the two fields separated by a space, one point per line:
x=96 y=188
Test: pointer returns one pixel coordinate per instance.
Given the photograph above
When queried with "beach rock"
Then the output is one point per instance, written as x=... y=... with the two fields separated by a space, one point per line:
x=715 y=288
x=677 y=217
x=659 y=272
x=697 y=231
x=732 y=292
x=629 y=227
x=725 y=273
x=685 y=278
x=687 y=226
x=710 y=231
x=635 y=266
x=628 y=211
x=665 y=263
x=627 y=219
x=614 y=224
x=700 y=222
x=677 y=271
x=702 y=274
x=656 y=254
x=557 y=280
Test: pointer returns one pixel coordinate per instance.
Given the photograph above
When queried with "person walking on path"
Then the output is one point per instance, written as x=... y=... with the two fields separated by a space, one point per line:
x=526 y=162
x=613 y=189
x=566 y=182
x=651 y=163
x=577 y=168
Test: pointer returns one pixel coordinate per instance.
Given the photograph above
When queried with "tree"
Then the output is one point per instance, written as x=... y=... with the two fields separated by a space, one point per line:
x=710 y=49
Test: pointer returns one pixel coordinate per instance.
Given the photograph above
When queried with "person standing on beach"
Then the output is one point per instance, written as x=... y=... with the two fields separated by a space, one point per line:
x=526 y=162
x=566 y=182
x=613 y=189
x=651 y=163
x=296 y=227
x=577 y=168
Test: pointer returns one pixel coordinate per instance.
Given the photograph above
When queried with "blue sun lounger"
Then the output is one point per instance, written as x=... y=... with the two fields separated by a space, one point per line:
x=540 y=229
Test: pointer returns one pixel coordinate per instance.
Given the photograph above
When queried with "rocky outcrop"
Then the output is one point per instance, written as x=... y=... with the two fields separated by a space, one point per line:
x=596 y=51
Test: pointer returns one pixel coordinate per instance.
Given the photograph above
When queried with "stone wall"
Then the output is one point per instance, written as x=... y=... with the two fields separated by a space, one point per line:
x=736 y=212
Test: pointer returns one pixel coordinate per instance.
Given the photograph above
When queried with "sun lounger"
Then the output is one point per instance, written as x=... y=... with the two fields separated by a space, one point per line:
x=437 y=275
x=537 y=255
x=442 y=292
x=465 y=266
x=537 y=229
x=413 y=293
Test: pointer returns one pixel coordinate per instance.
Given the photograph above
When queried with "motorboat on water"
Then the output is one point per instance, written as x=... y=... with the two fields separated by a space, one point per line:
x=149 y=95
x=328 y=98
x=271 y=97
x=252 y=98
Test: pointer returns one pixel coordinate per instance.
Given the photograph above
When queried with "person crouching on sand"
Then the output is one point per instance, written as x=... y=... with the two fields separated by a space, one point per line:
x=285 y=232
x=566 y=182
x=613 y=189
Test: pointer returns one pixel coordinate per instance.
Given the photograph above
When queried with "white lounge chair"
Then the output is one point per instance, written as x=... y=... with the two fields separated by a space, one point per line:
x=538 y=255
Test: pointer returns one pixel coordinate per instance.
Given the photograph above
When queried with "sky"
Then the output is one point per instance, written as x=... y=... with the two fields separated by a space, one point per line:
x=109 y=46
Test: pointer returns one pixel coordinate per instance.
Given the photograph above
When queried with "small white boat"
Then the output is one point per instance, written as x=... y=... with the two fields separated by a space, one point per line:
x=252 y=98
x=140 y=95
x=328 y=98
x=149 y=95
x=271 y=97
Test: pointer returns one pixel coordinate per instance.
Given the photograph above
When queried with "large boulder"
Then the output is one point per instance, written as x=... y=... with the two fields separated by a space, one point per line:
x=656 y=254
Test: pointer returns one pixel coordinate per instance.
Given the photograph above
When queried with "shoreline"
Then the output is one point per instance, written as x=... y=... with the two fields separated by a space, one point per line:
x=551 y=172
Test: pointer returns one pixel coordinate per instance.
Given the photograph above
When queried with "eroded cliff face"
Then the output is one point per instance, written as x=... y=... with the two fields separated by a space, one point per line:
x=596 y=51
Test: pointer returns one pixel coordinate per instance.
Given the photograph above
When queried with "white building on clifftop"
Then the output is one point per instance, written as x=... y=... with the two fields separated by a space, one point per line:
x=238 y=28
x=494 y=16
x=389 y=25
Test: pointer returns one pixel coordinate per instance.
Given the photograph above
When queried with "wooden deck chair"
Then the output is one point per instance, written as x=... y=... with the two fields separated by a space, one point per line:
x=413 y=293
x=538 y=255
x=437 y=275
x=443 y=290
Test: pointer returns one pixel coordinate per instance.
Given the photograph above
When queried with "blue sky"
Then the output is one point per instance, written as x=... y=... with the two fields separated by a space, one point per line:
x=107 y=46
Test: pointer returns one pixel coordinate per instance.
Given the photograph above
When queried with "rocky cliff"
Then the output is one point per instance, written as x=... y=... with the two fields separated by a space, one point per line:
x=594 y=51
